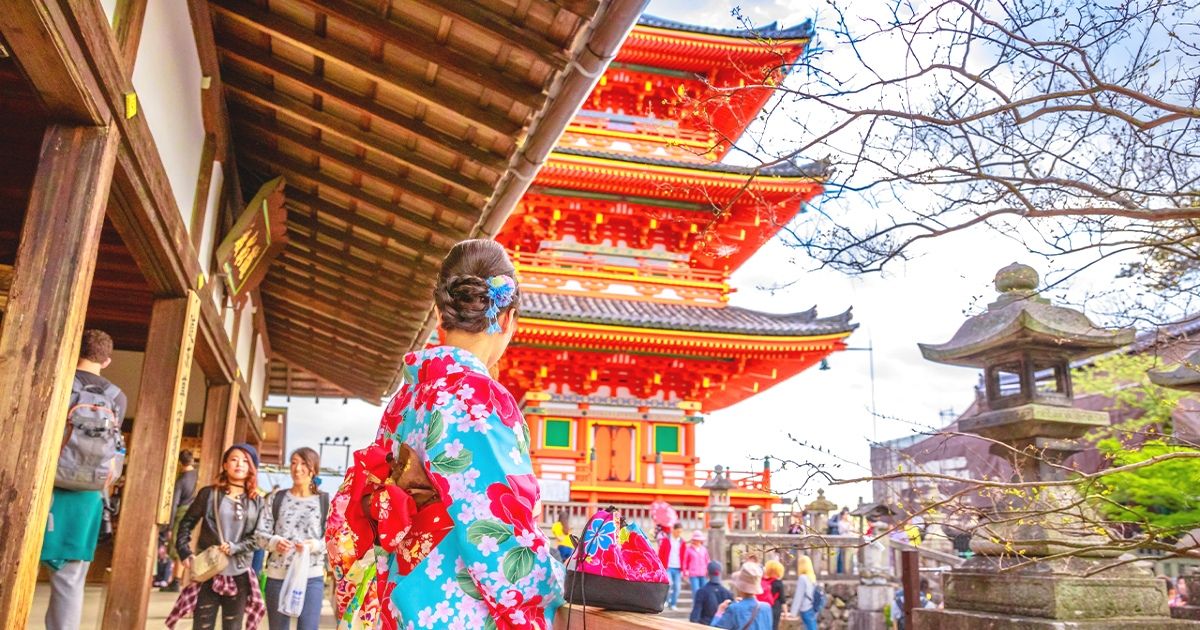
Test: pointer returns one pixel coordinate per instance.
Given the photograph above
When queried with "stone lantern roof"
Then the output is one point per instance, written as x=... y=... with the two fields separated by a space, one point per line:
x=1020 y=317
x=1185 y=376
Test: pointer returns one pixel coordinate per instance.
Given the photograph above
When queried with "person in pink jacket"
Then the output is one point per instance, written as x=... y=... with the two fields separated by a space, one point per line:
x=696 y=559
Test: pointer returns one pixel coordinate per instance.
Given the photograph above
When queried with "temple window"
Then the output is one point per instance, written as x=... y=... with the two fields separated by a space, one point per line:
x=556 y=433
x=666 y=440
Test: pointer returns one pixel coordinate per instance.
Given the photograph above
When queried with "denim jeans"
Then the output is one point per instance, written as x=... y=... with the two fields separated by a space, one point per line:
x=310 y=616
x=696 y=582
x=809 y=617
x=673 y=593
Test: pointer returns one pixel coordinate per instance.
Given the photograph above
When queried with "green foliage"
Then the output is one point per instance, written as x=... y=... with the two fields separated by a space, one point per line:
x=1164 y=496
x=1122 y=378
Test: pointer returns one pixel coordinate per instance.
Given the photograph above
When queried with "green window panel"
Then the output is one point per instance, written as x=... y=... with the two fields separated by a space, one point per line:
x=558 y=434
x=666 y=439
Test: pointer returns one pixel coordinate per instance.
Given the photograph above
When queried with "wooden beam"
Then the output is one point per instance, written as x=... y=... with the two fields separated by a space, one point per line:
x=216 y=117
x=39 y=342
x=248 y=91
x=583 y=8
x=220 y=409
x=529 y=40
x=208 y=153
x=362 y=106
x=173 y=325
x=374 y=289
x=274 y=129
x=339 y=258
x=368 y=391
x=353 y=333
x=418 y=45
x=451 y=101
x=128 y=19
x=365 y=236
x=318 y=299
x=39 y=36
x=436 y=235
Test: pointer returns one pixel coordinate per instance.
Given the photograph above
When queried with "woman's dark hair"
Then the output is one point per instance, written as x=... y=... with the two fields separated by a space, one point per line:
x=312 y=460
x=461 y=294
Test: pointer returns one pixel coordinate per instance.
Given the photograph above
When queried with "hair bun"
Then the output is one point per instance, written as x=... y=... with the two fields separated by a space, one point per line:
x=462 y=294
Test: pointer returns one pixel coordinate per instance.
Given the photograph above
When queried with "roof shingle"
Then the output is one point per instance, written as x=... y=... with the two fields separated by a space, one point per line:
x=666 y=316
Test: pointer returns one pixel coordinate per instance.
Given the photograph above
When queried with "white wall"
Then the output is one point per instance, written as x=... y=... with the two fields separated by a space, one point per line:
x=246 y=338
x=258 y=380
x=110 y=7
x=208 y=231
x=167 y=80
x=126 y=372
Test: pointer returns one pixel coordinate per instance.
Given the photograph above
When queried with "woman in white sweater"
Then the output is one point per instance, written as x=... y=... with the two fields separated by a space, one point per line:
x=291 y=520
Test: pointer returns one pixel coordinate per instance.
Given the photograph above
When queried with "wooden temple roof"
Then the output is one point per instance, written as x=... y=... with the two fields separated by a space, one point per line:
x=730 y=320
x=394 y=125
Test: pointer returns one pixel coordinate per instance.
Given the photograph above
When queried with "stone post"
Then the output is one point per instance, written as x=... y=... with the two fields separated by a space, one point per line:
x=718 y=512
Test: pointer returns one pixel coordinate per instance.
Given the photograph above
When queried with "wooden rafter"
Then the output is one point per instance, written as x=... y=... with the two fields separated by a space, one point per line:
x=273 y=130
x=419 y=233
x=458 y=104
x=530 y=40
x=248 y=91
x=424 y=47
x=361 y=105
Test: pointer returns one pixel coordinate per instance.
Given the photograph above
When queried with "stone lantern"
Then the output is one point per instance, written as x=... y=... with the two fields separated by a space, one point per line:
x=820 y=509
x=718 y=512
x=1024 y=575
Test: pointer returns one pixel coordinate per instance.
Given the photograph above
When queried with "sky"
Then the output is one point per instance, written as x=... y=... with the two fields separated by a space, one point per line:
x=827 y=413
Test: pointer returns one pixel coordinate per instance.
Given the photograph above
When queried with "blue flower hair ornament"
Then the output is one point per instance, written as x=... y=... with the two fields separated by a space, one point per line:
x=501 y=291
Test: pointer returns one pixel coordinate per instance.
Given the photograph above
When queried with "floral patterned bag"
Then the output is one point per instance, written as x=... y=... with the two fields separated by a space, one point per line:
x=615 y=567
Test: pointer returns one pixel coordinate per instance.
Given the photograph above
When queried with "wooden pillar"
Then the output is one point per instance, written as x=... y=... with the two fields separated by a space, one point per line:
x=39 y=341
x=220 y=411
x=151 y=472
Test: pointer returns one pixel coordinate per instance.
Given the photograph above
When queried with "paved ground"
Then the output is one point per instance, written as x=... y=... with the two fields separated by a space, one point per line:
x=160 y=606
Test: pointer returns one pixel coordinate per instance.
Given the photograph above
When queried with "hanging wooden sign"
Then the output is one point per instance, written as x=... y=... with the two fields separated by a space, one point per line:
x=255 y=240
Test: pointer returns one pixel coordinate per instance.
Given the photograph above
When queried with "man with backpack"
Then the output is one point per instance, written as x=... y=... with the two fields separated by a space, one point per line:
x=89 y=461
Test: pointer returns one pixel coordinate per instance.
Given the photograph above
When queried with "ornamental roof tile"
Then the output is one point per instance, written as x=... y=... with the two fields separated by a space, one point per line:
x=666 y=316
x=787 y=169
x=766 y=31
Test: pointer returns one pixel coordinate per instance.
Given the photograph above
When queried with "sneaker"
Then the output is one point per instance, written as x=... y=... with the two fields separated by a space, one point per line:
x=674 y=609
x=173 y=587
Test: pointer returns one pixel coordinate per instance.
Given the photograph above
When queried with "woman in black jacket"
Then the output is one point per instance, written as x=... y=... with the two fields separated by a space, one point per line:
x=233 y=501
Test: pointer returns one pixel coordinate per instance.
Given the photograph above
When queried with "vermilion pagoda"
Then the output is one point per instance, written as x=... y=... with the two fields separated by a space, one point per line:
x=625 y=243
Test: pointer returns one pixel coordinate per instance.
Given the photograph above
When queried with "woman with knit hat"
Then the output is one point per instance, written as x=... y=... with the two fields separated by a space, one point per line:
x=747 y=613
x=227 y=512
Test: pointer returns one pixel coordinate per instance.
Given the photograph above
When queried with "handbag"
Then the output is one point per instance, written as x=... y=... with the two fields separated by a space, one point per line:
x=614 y=567
x=211 y=561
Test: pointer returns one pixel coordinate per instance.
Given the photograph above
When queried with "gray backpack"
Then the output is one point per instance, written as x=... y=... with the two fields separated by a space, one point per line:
x=93 y=451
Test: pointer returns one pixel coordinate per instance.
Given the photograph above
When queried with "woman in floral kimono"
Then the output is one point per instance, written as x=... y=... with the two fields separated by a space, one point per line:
x=435 y=525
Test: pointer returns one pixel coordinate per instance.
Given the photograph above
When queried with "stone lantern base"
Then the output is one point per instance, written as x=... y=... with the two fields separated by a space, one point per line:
x=965 y=620
x=1049 y=594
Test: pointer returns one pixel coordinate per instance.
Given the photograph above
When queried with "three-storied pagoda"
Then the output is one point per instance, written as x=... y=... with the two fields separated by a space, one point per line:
x=625 y=243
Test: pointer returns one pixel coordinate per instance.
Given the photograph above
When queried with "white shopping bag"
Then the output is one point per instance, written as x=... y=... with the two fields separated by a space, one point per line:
x=291 y=594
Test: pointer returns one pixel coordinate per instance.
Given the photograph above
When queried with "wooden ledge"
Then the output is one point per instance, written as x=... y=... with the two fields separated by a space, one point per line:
x=599 y=619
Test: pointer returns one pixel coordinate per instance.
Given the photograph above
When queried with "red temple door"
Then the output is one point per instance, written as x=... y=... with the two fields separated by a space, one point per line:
x=614 y=452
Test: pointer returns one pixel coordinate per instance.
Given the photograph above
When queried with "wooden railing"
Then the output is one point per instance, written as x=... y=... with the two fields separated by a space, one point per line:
x=575 y=264
x=596 y=619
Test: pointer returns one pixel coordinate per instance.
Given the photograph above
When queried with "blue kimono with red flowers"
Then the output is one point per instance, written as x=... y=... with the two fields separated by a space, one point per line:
x=475 y=558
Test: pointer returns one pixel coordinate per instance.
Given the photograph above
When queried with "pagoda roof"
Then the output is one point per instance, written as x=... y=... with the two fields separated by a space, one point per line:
x=803 y=30
x=686 y=317
x=786 y=169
